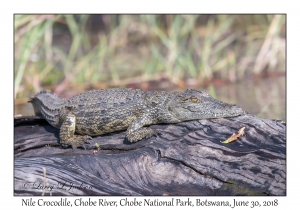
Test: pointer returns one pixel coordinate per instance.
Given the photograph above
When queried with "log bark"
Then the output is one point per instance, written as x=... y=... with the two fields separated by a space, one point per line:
x=186 y=159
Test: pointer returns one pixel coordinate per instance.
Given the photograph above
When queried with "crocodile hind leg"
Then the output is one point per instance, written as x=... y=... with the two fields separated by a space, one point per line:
x=67 y=136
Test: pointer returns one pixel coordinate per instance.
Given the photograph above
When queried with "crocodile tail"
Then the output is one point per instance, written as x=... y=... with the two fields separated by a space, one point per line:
x=48 y=97
x=48 y=105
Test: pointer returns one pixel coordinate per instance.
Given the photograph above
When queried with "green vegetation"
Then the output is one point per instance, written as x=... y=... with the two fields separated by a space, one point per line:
x=58 y=51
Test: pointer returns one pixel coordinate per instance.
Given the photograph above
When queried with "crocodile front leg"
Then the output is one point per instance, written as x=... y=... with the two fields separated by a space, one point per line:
x=136 y=132
x=67 y=136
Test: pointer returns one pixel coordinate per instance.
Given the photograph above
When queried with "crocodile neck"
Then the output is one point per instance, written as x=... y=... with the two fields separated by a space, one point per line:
x=161 y=101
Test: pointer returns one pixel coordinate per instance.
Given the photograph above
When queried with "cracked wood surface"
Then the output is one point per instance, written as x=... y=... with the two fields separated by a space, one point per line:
x=186 y=159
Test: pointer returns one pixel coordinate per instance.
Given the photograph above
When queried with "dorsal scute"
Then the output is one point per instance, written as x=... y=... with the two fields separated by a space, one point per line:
x=46 y=92
x=47 y=100
x=156 y=97
x=112 y=97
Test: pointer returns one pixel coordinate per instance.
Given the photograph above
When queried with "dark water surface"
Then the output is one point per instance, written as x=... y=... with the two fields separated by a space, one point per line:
x=265 y=98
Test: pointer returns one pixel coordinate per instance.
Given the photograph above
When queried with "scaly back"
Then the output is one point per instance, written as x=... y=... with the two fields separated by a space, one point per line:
x=105 y=98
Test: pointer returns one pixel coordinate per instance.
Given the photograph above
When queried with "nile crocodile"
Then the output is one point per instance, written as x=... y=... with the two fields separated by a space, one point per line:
x=103 y=111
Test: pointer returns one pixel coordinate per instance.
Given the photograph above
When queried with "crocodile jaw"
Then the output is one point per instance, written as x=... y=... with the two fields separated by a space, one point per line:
x=206 y=107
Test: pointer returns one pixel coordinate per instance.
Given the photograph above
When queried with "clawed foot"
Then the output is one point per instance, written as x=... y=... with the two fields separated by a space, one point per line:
x=143 y=134
x=80 y=141
x=88 y=138
x=157 y=132
x=154 y=132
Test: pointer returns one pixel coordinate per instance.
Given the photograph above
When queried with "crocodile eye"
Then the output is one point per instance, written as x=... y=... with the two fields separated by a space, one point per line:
x=194 y=100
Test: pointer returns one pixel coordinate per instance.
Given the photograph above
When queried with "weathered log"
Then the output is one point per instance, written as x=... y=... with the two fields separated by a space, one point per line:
x=186 y=159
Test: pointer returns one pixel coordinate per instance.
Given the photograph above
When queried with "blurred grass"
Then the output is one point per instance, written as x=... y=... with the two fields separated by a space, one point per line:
x=58 y=51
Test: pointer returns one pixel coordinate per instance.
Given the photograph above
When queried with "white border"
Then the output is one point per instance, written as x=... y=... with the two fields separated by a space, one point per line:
x=154 y=7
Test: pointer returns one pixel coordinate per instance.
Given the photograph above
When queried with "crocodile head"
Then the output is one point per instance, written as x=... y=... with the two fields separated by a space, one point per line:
x=193 y=104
